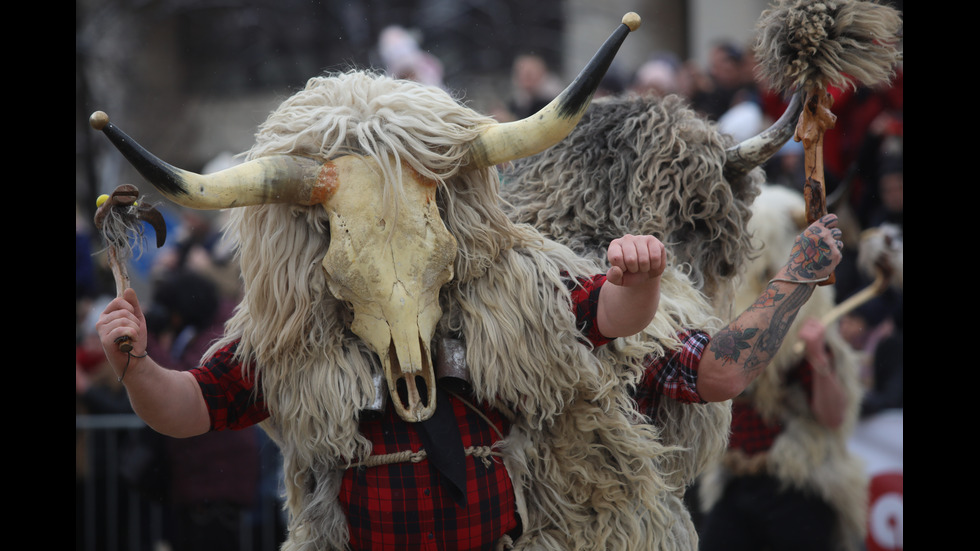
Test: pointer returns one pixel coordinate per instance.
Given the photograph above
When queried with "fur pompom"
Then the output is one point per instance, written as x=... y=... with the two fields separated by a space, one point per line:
x=812 y=44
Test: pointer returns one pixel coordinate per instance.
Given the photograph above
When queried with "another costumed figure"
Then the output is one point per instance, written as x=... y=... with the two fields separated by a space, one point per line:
x=651 y=165
x=788 y=452
x=788 y=447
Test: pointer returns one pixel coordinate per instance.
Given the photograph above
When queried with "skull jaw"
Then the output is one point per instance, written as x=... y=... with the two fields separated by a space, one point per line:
x=401 y=343
x=413 y=393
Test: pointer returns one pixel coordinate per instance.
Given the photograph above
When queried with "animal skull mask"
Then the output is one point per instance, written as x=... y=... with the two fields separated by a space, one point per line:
x=390 y=270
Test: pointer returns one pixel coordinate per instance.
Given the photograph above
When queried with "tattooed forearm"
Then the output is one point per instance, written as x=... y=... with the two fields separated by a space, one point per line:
x=771 y=339
x=737 y=355
x=758 y=335
x=728 y=344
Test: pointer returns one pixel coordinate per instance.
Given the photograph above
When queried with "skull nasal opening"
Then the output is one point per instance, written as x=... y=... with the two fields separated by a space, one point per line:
x=420 y=386
x=408 y=385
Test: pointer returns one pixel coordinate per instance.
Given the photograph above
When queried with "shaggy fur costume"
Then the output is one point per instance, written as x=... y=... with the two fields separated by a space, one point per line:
x=586 y=469
x=643 y=165
x=649 y=165
x=810 y=45
x=807 y=456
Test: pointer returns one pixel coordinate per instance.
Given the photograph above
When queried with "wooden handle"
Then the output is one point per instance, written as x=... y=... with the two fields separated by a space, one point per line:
x=121 y=276
x=815 y=120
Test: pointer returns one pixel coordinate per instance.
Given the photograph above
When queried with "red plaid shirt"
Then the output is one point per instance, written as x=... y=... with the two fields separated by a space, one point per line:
x=407 y=506
x=674 y=375
x=753 y=434
x=404 y=505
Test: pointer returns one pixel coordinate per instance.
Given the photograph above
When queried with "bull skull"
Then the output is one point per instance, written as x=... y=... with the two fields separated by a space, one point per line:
x=389 y=270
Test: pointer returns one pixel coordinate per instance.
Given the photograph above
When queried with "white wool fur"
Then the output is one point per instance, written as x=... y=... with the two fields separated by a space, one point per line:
x=883 y=244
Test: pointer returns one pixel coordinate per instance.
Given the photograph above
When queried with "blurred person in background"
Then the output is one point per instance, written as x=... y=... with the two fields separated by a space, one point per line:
x=657 y=76
x=404 y=58
x=214 y=476
x=725 y=79
x=533 y=85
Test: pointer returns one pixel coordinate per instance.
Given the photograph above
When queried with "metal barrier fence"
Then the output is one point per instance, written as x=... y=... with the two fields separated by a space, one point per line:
x=113 y=514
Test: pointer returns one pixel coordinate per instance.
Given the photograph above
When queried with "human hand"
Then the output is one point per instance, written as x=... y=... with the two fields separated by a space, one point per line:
x=816 y=252
x=122 y=318
x=828 y=400
x=635 y=259
x=632 y=297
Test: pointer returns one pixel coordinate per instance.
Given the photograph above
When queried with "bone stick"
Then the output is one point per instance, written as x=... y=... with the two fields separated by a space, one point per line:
x=877 y=287
x=112 y=226
x=815 y=121
x=119 y=272
x=809 y=45
x=853 y=302
x=117 y=217
x=121 y=275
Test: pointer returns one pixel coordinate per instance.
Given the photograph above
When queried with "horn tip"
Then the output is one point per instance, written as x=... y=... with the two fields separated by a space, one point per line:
x=98 y=120
x=632 y=20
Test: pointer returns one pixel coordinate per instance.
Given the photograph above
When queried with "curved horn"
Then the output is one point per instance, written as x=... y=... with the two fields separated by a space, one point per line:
x=274 y=179
x=741 y=158
x=514 y=140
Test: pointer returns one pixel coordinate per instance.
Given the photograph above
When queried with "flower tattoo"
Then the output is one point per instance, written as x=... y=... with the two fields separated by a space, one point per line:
x=768 y=298
x=728 y=345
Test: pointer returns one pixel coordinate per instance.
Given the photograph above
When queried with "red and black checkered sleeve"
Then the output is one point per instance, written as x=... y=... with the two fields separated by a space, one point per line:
x=675 y=374
x=585 y=304
x=233 y=400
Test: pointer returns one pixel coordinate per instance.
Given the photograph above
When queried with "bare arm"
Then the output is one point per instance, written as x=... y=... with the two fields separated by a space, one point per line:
x=168 y=401
x=629 y=300
x=738 y=353
x=829 y=400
